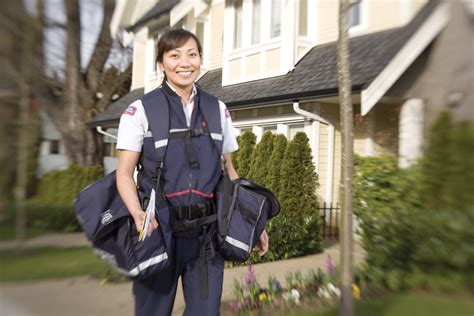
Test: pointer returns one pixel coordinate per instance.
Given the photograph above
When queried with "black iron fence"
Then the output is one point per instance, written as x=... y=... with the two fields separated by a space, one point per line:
x=329 y=213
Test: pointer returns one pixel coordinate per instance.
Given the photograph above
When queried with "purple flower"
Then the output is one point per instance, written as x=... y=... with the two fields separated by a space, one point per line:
x=250 y=275
x=330 y=265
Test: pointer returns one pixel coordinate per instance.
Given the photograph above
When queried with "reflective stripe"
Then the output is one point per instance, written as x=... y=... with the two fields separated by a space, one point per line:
x=175 y=130
x=216 y=136
x=161 y=143
x=237 y=243
x=148 y=134
x=148 y=263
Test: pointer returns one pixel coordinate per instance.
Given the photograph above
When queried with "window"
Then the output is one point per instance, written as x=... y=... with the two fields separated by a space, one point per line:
x=54 y=147
x=256 y=16
x=275 y=26
x=303 y=18
x=295 y=129
x=272 y=128
x=354 y=14
x=237 y=24
x=109 y=150
x=245 y=129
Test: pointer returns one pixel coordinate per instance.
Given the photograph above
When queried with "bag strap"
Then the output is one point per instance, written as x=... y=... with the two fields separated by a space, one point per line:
x=156 y=107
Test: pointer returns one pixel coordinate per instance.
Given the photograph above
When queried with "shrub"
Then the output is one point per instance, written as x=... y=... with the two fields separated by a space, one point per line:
x=52 y=207
x=273 y=179
x=259 y=162
x=296 y=231
x=244 y=154
x=416 y=224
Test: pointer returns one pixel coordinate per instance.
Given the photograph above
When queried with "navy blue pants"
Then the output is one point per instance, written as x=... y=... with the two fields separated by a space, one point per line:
x=155 y=296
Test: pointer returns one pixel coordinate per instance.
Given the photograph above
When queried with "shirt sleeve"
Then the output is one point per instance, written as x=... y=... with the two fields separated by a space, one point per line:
x=229 y=143
x=132 y=127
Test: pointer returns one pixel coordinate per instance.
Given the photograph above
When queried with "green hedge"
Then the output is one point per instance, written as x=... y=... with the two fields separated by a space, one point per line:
x=52 y=207
x=416 y=224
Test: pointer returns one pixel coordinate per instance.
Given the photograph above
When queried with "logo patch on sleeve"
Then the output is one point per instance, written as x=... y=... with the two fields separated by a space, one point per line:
x=130 y=110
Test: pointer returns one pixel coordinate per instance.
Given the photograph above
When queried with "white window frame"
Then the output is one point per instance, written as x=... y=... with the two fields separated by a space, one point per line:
x=363 y=17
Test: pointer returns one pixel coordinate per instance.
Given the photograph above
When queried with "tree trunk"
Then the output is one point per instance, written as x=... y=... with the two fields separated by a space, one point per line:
x=22 y=166
x=345 y=90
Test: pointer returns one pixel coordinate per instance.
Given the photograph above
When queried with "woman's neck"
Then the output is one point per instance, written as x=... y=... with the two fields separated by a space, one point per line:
x=184 y=93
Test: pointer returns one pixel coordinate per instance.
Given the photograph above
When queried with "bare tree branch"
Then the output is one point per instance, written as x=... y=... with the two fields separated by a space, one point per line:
x=102 y=48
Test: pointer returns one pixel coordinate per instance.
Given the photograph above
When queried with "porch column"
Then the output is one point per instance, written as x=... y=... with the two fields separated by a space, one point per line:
x=410 y=134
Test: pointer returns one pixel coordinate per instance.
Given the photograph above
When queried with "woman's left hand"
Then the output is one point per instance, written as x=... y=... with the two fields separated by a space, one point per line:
x=262 y=244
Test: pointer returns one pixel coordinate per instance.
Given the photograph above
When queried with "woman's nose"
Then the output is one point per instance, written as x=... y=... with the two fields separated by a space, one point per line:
x=184 y=61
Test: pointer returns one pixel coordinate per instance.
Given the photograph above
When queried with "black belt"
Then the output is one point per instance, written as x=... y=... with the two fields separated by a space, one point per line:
x=186 y=217
x=191 y=212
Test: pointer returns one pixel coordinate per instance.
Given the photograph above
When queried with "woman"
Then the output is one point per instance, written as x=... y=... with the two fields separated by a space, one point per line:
x=190 y=172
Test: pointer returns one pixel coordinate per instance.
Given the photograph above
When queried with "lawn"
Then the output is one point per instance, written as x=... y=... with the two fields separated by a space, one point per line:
x=406 y=304
x=7 y=232
x=48 y=263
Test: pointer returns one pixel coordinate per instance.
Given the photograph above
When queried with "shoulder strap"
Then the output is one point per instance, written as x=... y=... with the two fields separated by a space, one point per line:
x=210 y=110
x=157 y=111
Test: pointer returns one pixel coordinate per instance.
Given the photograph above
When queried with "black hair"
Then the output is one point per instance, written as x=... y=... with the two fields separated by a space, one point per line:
x=173 y=39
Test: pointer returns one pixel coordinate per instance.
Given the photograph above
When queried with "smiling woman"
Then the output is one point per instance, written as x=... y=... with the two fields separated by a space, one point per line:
x=186 y=131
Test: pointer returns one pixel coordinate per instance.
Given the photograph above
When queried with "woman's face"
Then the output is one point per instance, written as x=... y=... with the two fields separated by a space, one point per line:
x=182 y=65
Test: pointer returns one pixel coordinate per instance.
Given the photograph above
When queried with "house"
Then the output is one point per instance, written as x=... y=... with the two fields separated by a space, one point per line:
x=274 y=64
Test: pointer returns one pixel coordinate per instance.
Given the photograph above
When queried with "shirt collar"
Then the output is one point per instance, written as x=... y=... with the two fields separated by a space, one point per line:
x=191 y=97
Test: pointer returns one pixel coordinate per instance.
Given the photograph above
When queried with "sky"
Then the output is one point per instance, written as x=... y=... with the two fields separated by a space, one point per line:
x=55 y=36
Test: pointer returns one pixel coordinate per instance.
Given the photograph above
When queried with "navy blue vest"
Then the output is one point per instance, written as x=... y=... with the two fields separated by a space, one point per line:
x=182 y=183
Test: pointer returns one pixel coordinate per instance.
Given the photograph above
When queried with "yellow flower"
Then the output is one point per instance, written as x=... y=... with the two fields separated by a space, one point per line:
x=262 y=297
x=355 y=291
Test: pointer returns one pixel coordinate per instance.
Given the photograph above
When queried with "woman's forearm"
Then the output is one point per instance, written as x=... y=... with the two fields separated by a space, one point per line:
x=230 y=167
x=128 y=192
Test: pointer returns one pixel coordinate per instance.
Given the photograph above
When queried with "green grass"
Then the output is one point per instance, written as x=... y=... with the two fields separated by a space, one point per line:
x=7 y=232
x=49 y=263
x=406 y=304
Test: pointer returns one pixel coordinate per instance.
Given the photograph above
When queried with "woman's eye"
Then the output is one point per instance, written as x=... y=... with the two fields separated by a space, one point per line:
x=174 y=56
x=193 y=54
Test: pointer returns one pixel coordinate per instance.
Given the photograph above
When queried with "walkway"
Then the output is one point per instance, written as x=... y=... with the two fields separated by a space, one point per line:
x=86 y=296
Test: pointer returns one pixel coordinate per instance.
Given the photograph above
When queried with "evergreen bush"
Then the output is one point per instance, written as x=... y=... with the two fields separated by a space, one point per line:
x=52 y=207
x=244 y=154
x=296 y=230
x=273 y=179
x=259 y=162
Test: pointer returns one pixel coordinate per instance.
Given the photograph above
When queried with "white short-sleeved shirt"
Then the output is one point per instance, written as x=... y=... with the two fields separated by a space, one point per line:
x=134 y=124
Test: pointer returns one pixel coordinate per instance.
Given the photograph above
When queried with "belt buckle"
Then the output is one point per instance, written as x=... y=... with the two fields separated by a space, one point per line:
x=189 y=224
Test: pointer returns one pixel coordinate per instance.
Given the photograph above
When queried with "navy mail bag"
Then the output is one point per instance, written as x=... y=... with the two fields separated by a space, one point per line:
x=110 y=227
x=243 y=208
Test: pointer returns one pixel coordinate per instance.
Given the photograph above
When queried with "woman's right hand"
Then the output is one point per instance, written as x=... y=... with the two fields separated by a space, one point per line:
x=139 y=218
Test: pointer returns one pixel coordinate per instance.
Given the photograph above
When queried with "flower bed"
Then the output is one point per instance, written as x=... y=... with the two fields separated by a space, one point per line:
x=300 y=290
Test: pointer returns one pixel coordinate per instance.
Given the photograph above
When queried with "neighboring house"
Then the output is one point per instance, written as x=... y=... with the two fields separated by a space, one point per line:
x=274 y=64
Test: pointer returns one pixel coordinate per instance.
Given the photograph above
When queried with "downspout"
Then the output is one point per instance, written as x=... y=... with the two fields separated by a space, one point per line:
x=101 y=131
x=330 y=171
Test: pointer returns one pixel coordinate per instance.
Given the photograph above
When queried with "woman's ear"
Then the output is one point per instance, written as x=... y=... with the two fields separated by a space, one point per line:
x=160 y=66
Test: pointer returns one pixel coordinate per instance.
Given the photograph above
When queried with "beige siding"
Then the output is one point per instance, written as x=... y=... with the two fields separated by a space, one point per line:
x=273 y=59
x=327 y=13
x=234 y=68
x=217 y=30
x=253 y=64
x=383 y=15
